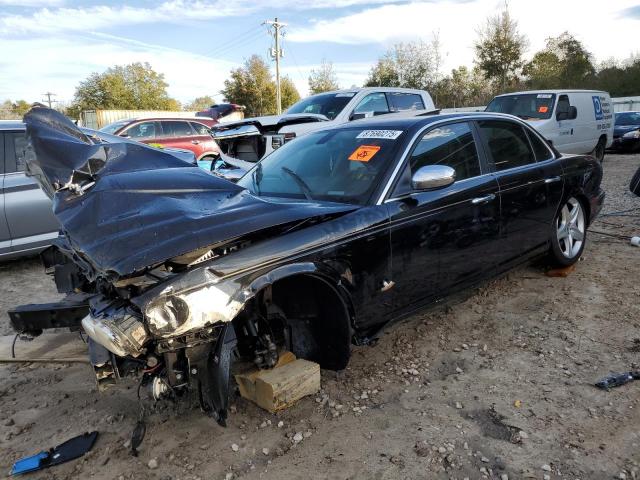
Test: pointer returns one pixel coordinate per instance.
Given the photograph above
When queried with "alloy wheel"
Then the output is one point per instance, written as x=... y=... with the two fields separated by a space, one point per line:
x=571 y=228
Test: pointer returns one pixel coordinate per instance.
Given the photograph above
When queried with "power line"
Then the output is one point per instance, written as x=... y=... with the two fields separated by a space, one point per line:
x=249 y=35
x=48 y=100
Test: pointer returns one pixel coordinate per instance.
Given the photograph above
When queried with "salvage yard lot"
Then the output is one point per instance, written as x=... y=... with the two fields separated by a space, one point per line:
x=497 y=383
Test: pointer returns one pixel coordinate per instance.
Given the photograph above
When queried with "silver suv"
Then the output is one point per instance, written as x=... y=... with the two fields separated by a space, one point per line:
x=27 y=224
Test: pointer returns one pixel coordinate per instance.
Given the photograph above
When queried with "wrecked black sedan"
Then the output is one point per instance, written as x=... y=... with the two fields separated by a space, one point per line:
x=176 y=273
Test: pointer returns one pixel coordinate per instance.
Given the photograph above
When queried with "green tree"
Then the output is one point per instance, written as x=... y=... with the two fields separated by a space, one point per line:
x=410 y=65
x=199 y=103
x=13 y=110
x=463 y=88
x=128 y=87
x=324 y=79
x=563 y=63
x=253 y=86
x=620 y=79
x=289 y=93
x=499 y=50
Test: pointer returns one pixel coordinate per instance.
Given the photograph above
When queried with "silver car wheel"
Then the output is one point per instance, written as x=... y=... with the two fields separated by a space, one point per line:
x=571 y=228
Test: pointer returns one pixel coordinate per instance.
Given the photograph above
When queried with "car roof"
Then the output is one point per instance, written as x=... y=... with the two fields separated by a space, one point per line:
x=370 y=89
x=405 y=123
x=144 y=119
x=551 y=91
x=12 y=125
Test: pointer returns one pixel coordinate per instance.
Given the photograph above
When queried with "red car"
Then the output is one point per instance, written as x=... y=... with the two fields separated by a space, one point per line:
x=186 y=133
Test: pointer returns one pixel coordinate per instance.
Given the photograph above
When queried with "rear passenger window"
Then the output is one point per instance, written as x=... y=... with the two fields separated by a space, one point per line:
x=508 y=144
x=541 y=150
x=450 y=145
x=176 y=129
x=399 y=102
x=17 y=149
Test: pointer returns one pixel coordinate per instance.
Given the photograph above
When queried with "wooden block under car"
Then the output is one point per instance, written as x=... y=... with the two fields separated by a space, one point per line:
x=281 y=386
x=560 y=272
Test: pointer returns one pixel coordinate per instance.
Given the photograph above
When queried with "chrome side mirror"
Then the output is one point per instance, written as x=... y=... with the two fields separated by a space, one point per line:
x=433 y=176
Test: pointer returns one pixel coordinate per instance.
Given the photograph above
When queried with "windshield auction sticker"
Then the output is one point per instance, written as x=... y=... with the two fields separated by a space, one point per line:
x=364 y=153
x=381 y=134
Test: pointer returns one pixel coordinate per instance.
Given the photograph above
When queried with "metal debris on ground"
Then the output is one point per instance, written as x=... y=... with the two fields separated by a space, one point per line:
x=617 y=379
x=69 y=450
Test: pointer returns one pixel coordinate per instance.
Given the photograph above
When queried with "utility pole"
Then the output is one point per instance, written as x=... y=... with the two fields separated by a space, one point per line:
x=276 y=54
x=48 y=100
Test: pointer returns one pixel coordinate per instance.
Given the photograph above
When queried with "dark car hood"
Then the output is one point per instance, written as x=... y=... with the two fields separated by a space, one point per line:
x=620 y=130
x=272 y=121
x=125 y=206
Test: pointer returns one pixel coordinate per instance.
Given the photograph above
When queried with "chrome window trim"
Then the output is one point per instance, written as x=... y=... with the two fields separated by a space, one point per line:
x=471 y=117
x=404 y=155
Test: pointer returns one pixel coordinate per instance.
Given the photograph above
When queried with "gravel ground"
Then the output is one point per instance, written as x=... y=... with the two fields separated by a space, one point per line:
x=498 y=385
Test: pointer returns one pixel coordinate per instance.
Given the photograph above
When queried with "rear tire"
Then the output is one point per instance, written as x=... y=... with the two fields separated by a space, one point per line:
x=598 y=152
x=568 y=234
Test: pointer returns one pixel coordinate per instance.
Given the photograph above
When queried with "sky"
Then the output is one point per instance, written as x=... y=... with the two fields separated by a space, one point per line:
x=51 y=45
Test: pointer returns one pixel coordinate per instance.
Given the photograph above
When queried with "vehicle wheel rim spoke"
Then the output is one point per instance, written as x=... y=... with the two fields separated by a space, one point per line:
x=570 y=228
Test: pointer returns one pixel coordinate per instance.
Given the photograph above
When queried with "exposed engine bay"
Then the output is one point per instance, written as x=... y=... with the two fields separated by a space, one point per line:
x=153 y=256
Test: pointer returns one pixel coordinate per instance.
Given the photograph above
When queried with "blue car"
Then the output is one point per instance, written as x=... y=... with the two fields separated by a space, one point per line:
x=626 y=133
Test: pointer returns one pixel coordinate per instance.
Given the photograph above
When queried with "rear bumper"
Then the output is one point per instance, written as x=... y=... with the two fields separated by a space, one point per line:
x=595 y=205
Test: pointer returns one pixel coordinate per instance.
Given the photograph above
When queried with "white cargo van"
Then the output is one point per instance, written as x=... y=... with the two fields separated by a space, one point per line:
x=574 y=121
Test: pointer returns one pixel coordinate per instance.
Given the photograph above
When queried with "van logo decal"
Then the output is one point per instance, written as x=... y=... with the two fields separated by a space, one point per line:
x=597 y=107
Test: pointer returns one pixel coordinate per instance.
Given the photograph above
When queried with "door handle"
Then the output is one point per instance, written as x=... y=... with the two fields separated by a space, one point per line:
x=482 y=200
x=195 y=142
x=552 y=180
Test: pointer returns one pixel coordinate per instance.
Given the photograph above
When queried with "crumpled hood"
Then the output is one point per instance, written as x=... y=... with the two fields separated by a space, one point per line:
x=126 y=206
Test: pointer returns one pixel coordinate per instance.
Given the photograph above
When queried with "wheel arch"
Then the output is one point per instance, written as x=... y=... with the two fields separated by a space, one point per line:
x=295 y=285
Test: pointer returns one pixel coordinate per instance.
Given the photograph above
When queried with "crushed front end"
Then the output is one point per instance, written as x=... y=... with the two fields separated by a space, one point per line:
x=143 y=236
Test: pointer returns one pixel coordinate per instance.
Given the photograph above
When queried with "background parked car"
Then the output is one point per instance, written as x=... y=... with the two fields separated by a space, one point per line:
x=27 y=223
x=183 y=133
x=253 y=138
x=223 y=111
x=626 y=133
x=574 y=121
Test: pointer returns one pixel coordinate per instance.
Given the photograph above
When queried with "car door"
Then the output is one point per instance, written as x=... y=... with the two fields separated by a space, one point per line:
x=530 y=190
x=179 y=134
x=443 y=237
x=5 y=237
x=567 y=140
x=28 y=211
x=203 y=138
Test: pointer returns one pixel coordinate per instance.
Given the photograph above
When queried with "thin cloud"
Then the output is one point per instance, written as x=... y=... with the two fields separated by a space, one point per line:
x=100 y=17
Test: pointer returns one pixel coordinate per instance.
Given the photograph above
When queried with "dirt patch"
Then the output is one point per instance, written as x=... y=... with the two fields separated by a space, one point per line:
x=526 y=346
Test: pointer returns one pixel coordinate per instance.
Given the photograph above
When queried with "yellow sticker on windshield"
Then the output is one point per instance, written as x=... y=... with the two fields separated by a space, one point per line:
x=364 y=153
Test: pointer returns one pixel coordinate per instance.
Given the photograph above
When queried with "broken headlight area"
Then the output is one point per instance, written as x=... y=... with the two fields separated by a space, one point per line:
x=174 y=314
x=121 y=344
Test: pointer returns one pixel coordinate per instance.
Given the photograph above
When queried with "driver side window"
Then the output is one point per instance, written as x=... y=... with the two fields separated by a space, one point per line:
x=451 y=145
x=374 y=103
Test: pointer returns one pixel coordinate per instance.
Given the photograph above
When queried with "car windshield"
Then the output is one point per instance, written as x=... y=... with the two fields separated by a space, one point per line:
x=628 y=118
x=327 y=104
x=528 y=106
x=343 y=165
x=113 y=127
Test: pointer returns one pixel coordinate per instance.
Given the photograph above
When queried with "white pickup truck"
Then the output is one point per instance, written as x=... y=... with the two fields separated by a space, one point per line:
x=245 y=142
